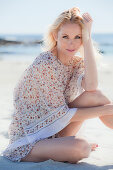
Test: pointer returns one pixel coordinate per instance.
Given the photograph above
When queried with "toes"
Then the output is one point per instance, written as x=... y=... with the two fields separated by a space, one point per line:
x=93 y=146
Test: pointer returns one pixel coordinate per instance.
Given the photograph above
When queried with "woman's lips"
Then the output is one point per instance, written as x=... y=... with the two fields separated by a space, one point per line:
x=70 y=50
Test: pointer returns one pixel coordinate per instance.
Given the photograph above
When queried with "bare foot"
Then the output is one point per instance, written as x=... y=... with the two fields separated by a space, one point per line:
x=93 y=146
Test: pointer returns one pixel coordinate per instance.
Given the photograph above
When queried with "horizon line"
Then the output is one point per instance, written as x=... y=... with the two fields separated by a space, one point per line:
x=44 y=33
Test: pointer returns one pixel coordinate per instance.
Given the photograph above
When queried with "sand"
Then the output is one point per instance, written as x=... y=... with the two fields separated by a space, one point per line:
x=93 y=130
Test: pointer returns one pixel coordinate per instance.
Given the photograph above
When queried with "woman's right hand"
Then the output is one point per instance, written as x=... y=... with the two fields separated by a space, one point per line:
x=87 y=25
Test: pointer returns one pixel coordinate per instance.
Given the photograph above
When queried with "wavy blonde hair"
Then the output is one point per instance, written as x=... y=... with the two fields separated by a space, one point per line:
x=69 y=16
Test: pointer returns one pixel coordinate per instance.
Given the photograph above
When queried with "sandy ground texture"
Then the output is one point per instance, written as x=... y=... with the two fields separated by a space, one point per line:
x=93 y=129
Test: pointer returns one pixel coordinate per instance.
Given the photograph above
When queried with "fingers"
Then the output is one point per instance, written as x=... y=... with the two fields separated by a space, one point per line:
x=87 y=17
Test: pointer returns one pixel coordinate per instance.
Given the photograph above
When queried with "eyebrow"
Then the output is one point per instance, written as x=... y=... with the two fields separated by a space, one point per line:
x=67 y=34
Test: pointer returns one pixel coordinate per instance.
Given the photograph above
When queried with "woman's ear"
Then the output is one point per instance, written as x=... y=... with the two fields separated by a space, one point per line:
x=55 y=36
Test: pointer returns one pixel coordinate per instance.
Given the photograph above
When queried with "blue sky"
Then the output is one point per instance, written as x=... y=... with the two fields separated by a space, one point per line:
x=34 y=16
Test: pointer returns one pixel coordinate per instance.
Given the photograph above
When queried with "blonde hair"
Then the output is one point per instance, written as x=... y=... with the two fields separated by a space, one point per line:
x=69 y=16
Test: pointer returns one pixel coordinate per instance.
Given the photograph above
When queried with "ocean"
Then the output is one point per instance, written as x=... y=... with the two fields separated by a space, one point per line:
x=27 y=47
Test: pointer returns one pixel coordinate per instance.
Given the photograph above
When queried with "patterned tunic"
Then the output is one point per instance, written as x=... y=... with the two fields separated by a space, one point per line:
x=41 y=99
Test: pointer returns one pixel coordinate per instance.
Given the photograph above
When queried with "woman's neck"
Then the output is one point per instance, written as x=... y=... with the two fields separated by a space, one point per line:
x=63 y=59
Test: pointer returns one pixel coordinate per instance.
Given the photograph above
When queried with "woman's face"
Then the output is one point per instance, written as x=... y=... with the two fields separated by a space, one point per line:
x=69 y=37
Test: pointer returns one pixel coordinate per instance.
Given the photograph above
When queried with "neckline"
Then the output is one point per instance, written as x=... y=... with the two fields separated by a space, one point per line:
x=66 y=66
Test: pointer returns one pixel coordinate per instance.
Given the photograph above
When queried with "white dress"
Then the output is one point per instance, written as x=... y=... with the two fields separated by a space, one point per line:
x=41 y=99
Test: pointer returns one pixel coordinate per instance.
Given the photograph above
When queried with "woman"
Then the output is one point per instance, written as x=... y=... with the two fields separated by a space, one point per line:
x=56 y=93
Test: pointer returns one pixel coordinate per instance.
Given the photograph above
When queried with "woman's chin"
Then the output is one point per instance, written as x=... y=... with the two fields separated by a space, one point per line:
x=70 y=54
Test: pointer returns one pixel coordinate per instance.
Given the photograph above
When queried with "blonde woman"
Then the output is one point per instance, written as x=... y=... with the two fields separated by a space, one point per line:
x=56 y=94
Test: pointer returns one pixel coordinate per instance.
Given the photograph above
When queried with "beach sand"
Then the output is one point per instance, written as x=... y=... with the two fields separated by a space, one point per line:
x=93 y=130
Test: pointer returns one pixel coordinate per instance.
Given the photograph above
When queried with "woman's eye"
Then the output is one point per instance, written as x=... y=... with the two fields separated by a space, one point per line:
x=64 y=36
x=78 y=37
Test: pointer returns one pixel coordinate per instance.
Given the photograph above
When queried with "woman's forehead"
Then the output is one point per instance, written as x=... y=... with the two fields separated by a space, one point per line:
x=68 y=28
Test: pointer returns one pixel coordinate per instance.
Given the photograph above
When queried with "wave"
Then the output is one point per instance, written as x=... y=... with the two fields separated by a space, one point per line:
x=14 y=42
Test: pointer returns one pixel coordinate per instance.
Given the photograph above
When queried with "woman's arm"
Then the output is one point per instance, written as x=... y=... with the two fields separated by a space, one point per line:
x=91 y=76
x=90 y=80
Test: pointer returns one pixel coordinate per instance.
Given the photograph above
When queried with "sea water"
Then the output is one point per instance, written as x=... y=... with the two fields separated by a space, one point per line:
x=29 y=50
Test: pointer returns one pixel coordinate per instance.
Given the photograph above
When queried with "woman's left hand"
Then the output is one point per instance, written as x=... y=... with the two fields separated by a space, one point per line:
x=86 y=31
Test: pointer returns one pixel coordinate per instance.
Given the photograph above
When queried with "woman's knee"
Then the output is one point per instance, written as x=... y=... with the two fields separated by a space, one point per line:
x=99 y=97
x=80 y=150
x=68 y=148
x=90 y=99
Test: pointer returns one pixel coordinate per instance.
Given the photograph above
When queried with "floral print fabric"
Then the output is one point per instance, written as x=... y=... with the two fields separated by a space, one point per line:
x=40 y=99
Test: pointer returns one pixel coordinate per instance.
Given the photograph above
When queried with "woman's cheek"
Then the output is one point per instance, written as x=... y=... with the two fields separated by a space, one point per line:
x=63 y=43
x=79 y=43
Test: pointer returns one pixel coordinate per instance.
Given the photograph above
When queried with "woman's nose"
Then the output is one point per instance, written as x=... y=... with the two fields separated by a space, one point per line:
x=70 y=42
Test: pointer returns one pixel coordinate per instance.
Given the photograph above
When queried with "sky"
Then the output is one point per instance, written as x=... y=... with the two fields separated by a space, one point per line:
x=34 y=16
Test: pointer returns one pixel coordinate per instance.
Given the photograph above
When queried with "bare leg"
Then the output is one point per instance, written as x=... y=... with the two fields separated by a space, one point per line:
x=107 y=120
x=93 y=112
x=87 y=99
x=70 y=149
x=90 y=99
x=71 y=129
x=83 y=114
x=96 y=98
